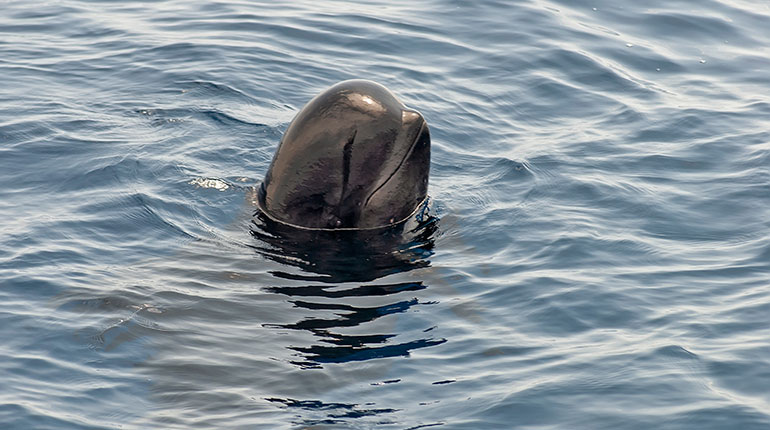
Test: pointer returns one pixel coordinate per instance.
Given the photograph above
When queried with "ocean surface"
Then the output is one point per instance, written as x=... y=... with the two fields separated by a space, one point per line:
x=596 y=254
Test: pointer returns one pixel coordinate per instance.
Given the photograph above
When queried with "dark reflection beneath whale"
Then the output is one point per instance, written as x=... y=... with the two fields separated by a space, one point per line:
x=336 y=256
x=327 y=260
x=335 y=413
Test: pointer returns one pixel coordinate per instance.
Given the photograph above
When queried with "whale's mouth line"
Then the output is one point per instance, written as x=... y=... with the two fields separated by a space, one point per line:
x=401 y=163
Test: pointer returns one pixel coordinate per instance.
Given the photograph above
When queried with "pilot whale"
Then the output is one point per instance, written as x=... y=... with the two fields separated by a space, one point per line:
x=354 y=158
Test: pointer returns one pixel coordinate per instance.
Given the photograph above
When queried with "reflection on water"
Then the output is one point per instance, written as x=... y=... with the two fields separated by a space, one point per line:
x=345 y=255
x=329 y=413
x=348 y=257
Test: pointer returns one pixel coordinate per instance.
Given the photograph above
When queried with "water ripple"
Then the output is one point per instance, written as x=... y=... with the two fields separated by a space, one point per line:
x=596 y=253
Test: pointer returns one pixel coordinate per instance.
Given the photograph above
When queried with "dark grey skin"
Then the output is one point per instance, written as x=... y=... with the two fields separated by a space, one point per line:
x=353 y=158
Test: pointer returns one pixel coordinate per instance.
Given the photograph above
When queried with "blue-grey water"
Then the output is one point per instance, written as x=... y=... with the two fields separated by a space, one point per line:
x=597 y=256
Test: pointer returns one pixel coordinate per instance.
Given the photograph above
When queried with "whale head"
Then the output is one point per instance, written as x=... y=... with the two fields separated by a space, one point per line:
x=353 y=158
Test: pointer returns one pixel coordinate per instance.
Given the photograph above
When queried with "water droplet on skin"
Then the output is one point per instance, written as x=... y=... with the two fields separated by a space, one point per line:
x=594 y=9
x=702 y=61
x=629 y=45
x=657 y=69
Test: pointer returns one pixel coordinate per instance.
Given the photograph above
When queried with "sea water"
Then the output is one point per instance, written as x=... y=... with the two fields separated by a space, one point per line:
x=597 y=253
